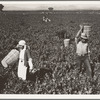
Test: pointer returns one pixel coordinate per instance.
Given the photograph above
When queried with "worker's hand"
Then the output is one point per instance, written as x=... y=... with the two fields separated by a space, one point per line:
x=33 y=70
x=89 y=57
x=30 y=70
x=31 y=66
x=81 y=26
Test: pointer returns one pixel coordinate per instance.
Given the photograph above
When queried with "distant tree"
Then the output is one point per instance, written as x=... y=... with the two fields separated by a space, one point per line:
x=50 y=9
x=1 y=7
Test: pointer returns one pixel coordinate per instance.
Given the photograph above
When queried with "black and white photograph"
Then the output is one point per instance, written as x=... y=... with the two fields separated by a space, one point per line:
x=50 y=47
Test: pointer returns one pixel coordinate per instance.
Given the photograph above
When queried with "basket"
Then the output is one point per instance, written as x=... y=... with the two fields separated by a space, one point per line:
x=66 y=42
x=87 y=30
x=11 y=58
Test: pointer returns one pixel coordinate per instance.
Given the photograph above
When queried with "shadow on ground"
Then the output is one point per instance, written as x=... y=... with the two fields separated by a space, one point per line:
x=39 y=74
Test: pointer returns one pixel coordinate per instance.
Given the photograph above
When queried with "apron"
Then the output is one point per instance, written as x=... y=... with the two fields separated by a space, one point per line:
x=22 y=67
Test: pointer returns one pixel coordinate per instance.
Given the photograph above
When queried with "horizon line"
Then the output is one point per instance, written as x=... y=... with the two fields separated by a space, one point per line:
x=58 y=10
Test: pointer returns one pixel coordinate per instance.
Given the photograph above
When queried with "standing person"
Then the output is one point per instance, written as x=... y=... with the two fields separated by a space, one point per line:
x=25 y=60
x=83 y=52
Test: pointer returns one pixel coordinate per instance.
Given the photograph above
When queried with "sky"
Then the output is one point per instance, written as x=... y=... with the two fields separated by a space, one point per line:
x=57 y=5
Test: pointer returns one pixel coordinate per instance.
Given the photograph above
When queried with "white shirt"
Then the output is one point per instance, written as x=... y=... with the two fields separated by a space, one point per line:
x=82 y=48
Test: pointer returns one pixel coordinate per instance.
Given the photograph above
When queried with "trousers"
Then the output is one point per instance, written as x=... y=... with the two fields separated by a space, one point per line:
x=84 y=60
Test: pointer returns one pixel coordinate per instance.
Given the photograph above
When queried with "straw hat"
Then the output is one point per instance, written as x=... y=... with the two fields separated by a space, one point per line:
x=84 y=36
x=22 y=43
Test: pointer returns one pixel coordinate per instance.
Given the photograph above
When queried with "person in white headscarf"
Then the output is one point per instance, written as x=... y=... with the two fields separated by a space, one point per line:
x=25 y=60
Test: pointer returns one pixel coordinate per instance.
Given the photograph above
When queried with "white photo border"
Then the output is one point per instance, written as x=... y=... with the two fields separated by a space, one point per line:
x=45 y=96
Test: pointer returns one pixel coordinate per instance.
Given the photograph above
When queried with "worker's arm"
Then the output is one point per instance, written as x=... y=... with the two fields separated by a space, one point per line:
x=78 y=34
x=29 y=60
x=89 y=53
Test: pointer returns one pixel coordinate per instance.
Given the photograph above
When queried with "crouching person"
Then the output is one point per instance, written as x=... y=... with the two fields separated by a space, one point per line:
x=25 y=61
x=83 y=53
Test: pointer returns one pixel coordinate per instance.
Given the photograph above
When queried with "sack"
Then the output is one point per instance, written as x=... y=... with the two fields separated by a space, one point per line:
x=11 y=58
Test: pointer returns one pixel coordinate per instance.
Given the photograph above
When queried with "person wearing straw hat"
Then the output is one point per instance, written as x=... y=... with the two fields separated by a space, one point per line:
x=83 y=52
x=25 y=60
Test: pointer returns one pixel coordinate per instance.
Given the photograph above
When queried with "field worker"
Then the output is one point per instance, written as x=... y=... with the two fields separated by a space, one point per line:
x=25 y=60
x=45 y=19
x=83 y=52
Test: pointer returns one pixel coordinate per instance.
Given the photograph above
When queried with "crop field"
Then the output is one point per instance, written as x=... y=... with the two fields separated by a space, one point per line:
x=47 y=51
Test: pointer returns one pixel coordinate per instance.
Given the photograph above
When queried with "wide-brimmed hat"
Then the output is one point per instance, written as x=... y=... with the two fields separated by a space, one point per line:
x=22 y=42
x=84 y=36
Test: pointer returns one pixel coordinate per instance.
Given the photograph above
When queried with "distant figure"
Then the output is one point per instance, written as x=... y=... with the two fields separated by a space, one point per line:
x=45 y=19
x=83 y=52
x=66 y=40
x=25 y=60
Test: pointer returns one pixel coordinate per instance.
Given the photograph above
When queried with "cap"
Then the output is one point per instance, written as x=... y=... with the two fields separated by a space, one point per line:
x=22 y=42
x=84 y=36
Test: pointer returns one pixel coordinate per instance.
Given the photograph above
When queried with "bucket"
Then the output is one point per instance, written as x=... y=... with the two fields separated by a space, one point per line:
x=66 y=42
x=87 y=30
x=11 y=58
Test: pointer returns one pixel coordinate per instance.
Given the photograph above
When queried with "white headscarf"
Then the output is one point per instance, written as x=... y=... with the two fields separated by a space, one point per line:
x=22 y=53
